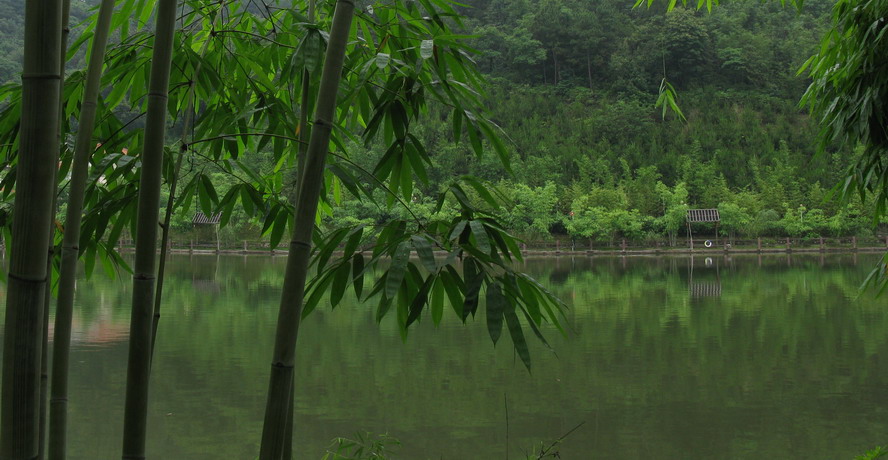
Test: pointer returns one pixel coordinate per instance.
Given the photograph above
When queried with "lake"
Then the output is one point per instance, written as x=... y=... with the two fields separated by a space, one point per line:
x=666 y=357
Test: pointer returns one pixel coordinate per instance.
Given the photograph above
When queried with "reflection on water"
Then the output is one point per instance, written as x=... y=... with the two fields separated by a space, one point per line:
x=668 y=358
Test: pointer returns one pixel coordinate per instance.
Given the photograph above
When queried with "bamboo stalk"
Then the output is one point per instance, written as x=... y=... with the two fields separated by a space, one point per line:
x=139 y=359
x=20 y=395
x=58 y=404
x=283 y=361
x=300 y=173
x=50 y=256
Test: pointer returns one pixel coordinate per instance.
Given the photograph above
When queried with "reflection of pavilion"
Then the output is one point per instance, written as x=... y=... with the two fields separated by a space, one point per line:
x=103 y=329
x=705 y=287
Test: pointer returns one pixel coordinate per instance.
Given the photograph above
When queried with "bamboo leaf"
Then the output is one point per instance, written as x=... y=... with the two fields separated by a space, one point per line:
x=280 y=225
x=397 y=270
x=517 y=335
x=437 y=301
x=473 y=277
x=340 y=281
x=496 y=303
x=420 y=300
x=358 y=274
x=480 y=235
x=425 y=253
x=453 y=287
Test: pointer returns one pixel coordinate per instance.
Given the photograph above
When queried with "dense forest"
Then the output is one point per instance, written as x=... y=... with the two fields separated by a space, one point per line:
x=574 y=86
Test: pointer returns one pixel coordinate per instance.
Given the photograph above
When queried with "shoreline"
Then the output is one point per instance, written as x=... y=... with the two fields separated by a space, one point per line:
x=584 y=252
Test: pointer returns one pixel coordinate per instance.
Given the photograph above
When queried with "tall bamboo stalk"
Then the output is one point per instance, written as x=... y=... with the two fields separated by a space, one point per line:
x=300 y=178
x=47 y=296
x=283 y=361
x=58 y=404
x=139 y=360
x=20 y=395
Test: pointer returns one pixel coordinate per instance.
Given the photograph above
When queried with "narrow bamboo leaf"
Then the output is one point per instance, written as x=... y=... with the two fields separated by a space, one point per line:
x=475 y=140
x=354 y=239
x=383 y=307
x=529 y=294
x=480 y=235
x=416 y=162
x=325 y=250
x=312 y=50
x=518 y=337
x=457 y=124
x=402 y=311
x=398 y=115
x=452 y=286
x=425 y=253
x=89 y=260
x=496 y=303
x=317 y=291
x=340 y=282
x=406 y=181
x=247 y=202
x=280 y=225
x=458 y=230
x=437 y=301
x=397 y=270
x=534 y=327
x=358 y=274
x=473 y=277
x=420 y=300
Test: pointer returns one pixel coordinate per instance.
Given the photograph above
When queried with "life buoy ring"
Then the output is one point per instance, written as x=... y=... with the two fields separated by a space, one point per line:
x=708 y=243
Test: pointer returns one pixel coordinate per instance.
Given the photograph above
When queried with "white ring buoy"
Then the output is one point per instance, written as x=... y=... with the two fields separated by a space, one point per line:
x=708 y=244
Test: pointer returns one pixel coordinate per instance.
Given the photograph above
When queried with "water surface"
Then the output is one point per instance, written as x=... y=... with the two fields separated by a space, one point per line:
x=738 y=357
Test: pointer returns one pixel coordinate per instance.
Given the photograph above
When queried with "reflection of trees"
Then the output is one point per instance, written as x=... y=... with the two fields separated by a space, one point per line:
x=782 y=365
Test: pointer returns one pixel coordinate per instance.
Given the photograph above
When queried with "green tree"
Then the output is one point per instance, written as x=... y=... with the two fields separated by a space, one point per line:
x=733 y=219
x=675 y=208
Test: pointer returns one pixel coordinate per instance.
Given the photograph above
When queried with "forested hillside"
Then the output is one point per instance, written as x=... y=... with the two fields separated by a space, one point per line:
x=574 y=83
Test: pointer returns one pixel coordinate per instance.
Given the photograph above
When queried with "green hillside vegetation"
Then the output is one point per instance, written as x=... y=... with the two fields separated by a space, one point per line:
x=573 y=84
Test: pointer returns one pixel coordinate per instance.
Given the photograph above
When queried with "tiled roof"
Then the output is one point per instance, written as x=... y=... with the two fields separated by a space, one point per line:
x=703 y=215
x=201 y=218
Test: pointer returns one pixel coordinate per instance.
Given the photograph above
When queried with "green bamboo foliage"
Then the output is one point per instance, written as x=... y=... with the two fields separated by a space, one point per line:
x=303 y=113
x=19 y=415
x=58 y=404
x=281 y=380
x=139 y=359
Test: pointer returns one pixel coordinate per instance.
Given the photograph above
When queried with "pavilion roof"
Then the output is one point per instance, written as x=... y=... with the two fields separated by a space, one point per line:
x=703 y=215
x=202 y=219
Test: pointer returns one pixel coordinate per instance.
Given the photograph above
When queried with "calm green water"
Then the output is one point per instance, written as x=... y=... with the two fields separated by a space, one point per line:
x=741 y=357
